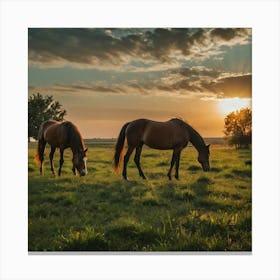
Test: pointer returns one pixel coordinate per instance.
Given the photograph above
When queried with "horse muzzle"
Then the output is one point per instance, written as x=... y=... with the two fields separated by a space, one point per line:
x=83 y=173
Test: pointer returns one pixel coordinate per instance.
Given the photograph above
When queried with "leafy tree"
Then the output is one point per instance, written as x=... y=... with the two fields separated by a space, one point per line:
x=238 y=128
x=42 y=108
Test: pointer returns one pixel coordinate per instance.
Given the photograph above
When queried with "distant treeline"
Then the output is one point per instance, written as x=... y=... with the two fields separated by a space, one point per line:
x=94 y=140
x=215 y=140
x=210 y=140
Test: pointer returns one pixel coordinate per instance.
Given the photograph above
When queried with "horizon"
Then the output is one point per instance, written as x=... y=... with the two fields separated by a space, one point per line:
x=105 y=77
x=115 y=138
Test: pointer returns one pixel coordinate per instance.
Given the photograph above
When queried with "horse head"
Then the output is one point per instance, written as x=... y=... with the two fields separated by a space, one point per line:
x=80 y=161
x=203 y=158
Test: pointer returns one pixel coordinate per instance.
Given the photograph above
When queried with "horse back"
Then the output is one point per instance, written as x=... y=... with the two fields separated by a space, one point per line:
x=157 y=135
x=55 y=134
x=165 y=135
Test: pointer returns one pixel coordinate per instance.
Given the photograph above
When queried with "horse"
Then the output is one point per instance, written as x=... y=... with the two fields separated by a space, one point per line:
x=61 y=135
x=173 y=134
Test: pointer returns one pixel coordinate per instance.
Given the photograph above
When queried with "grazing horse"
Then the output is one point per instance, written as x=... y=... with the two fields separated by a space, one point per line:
x=61 y=135
x=171 y=135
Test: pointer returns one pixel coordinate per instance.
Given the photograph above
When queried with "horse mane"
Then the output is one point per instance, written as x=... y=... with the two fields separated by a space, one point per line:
x=179 y=121
x=195 y=138
x=74 y=136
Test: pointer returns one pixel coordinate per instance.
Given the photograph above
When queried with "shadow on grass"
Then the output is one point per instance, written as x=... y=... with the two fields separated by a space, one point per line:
x=194 y=168
x=215 y=169
x=218 y=234
x=200 y=187
x=206 y=203
x=130 y=237
x=152 y=202
x=242 y=173
x=163 y=163
x=87 y=240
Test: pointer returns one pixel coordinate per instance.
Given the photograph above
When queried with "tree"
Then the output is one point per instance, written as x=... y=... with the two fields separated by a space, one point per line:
x=42 y=108
x=238 y=128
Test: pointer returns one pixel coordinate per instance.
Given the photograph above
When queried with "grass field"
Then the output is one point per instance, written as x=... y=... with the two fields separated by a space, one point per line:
x=102 y=212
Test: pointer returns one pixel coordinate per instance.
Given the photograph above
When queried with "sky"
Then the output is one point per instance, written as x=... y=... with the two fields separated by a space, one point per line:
x=105 y=77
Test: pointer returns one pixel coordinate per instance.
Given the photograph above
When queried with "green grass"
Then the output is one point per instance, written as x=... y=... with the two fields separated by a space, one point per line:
x=102 y=212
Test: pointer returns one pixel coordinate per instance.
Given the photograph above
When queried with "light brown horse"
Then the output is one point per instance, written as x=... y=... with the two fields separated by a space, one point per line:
x=171 y=135
x=61 y=135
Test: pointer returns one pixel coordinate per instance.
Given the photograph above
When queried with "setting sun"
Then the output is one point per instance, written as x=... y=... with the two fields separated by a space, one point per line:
x=228 y=105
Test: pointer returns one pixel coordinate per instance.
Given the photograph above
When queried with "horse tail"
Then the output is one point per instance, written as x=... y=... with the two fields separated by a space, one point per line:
x=41 y=142
x=119 y=149
x=37 y=157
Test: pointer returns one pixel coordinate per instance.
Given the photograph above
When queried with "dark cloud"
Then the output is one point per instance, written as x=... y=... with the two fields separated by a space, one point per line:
x=194 y=81
x=228 y=34
x=205 y=82
x=236 y=86
x=161 y=41
x=88 y=88
x=86 y=45
x=118 y=46
x=77 y=45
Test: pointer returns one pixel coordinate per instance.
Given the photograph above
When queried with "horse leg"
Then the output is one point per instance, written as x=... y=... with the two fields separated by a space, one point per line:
x=177 y=165
x=42 y=145
x=74 y=170
x=171 y=164
x=137 y=160
x=51 y=159
x=126 y=159
x=60 y=161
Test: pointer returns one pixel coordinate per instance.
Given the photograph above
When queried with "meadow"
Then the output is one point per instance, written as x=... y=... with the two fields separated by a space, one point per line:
x=102 y=212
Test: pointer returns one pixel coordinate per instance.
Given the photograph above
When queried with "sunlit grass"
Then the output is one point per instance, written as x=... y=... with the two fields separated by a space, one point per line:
x=102 y=212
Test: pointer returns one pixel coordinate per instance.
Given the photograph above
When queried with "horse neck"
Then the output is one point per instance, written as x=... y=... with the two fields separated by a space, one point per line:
x=196 y=139
x=76 y=148
x=76 y=142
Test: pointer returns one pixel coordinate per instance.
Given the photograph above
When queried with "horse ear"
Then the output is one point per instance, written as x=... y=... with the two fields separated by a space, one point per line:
x=85 y=150
x=208 y=146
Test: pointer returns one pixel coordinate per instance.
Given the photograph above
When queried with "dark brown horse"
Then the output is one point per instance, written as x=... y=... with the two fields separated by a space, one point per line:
x=171 y=135
x=61 y=135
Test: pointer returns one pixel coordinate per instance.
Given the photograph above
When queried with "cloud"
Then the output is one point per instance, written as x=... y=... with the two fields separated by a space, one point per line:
x=115 y=48
x=194 y=82
x=235 y=86
x=73 y=45
x=208 y=82
x=231 y=36
x=77 y=88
